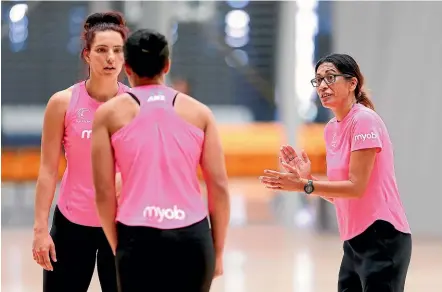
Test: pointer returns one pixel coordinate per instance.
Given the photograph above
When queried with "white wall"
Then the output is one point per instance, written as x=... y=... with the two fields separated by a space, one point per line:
x=399 y=48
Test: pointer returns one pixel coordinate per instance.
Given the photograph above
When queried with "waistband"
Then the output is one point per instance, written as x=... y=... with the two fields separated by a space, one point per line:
x=201 y=226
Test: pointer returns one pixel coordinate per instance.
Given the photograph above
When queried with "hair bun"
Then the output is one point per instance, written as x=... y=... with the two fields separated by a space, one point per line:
x=152 y=43
x=101 y=18
x=145 y=45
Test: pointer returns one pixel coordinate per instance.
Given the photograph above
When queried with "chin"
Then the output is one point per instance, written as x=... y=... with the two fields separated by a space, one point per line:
x=329 y=104
x=110 y=74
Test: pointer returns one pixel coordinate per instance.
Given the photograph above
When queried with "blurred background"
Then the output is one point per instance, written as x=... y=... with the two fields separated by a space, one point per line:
x=251 y=62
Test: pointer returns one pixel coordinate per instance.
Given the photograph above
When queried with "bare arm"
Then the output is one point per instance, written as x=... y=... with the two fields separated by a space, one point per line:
x=361 y=166
x=103 y=169
x=52 y=135
x=328 y=199
x=215 y=176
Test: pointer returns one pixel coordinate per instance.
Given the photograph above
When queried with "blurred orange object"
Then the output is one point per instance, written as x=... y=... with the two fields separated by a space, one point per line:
x=249 y=149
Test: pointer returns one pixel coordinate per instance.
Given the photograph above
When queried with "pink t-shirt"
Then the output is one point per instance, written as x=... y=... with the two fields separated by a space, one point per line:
x=363 y=128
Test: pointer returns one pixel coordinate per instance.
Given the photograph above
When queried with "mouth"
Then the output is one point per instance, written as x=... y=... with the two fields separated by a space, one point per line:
x=109 y=69
x=326 y=95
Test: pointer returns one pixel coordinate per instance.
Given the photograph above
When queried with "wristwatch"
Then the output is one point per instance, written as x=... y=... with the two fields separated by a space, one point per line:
x=309 y=188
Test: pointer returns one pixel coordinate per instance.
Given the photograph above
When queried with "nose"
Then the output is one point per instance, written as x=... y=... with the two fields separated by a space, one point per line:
x=110 y=57
x=322 y=86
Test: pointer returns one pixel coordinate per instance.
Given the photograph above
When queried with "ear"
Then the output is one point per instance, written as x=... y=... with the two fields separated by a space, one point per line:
x=166 y=67
x=86 y=56
x=128 y=70
x=353 y=83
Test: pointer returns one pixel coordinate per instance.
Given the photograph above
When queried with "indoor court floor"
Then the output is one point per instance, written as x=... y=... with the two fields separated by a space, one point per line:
x=265 y=251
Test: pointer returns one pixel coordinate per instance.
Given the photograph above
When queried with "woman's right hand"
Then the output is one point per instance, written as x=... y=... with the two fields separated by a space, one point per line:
x=219 y=267
x=42 y=248
x=302 y=163
x=51 y=141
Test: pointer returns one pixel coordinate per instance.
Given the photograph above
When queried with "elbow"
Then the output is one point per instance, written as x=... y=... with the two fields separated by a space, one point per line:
x=218 y=192
x=103 y=195
x=357 y=192
x=356 y=195
x=47 y=175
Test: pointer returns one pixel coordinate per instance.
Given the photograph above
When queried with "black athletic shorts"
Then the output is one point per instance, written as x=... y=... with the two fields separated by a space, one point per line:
x=151 y=259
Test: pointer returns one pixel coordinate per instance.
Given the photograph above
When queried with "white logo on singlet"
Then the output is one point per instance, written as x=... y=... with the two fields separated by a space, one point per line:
x=161 y=213
x=86 y=134
x=156 y=98
x=82 y=115
x=364 y=137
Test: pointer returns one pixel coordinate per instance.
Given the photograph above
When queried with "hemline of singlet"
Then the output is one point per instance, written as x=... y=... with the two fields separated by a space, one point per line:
x=63 y=210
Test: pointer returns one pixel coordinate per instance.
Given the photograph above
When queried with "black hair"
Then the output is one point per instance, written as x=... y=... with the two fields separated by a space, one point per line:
x=146 y=52
x=347 y=65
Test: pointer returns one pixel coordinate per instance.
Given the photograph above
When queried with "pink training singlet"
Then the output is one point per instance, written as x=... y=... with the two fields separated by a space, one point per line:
x=77 y=194
x=363 y=128
x=158 y=154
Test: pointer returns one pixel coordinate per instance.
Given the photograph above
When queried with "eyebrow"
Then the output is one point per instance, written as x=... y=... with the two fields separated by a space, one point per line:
x=328 y=71
x=117 y=46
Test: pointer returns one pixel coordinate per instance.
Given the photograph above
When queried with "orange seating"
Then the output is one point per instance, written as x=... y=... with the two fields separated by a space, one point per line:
x=249 y=149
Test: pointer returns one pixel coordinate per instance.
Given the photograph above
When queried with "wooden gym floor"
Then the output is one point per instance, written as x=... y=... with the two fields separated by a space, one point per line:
x=265 y=250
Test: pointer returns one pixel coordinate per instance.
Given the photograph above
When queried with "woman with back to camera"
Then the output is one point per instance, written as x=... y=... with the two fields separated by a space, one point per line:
x=76 y=240
x=158 y=137
x=361 y=182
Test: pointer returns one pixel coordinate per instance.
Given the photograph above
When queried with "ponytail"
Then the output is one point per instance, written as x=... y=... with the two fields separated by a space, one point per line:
x=362 y=98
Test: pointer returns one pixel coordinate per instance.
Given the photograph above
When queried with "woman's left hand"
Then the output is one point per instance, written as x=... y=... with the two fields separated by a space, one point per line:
x=290 y=181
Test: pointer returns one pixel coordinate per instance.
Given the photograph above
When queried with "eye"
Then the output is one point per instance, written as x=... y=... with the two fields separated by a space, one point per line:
x=101 y=50
x=329 y=78
x=118 y=50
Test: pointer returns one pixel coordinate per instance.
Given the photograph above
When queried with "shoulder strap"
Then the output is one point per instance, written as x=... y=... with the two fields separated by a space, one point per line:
x=123 y=87
x=134 y=97
x=174 y=98
x=72 y=102
x=74 y=97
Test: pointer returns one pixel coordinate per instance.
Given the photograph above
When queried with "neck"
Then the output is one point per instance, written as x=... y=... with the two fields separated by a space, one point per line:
x=150 y=81
x=102 y=89
x=344 y=110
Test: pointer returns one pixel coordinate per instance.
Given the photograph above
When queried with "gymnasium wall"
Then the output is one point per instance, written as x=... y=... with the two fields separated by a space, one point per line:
x=398 y=46
x=241 y=91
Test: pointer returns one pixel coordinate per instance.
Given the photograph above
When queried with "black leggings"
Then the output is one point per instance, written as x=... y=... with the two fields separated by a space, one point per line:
x=150 y=259
x=376 y=260
x=77 y=247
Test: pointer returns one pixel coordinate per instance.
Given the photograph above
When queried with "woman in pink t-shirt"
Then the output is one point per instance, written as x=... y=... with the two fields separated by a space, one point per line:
x=361 y=182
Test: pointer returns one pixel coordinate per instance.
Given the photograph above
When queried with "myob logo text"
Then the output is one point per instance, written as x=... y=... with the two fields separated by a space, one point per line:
x=160 y=213
x=363 y=137
x=86 y=134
